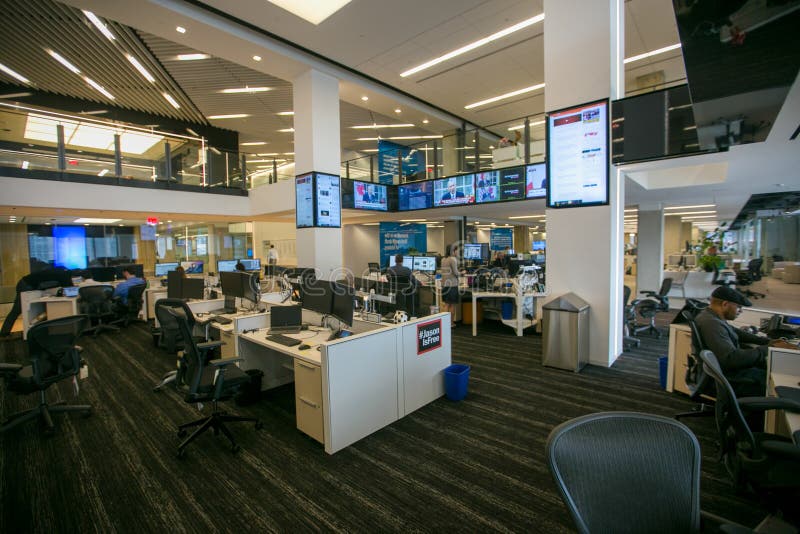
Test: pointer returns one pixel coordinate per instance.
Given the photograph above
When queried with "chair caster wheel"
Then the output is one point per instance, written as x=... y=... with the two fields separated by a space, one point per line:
x=181 y=453
x=235 y=448
x=259 y=425
x=181 y=433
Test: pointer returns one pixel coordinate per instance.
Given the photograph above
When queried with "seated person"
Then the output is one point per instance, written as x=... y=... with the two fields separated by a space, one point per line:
x=123 y=287
x=501 y=260
x=398 y=269
x=744 y=367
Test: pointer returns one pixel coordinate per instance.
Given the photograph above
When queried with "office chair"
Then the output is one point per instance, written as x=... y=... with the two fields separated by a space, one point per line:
x=374 y=267
x=96 y=302
x=649 y=306
x=698 y=381
x=208 y=380
x=169 y=336
x=129 y=312
x=54 y=357
x=628 y=319
x=636 y=470
x=405 y=291
x=762 y=462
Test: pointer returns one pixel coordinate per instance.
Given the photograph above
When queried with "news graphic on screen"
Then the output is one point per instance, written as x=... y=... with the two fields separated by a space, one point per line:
x=425 y=264
x=304 y=200
x=329 y=201
x=192 y=267
x=415 y=196
x=472 y=251
x=577 y=156
x=226 y=266
x=538 y=245
x=368 y=196
x=454 y=191
x=536 y=180
x=512 y=183
x=252 y=264
x=487 y=186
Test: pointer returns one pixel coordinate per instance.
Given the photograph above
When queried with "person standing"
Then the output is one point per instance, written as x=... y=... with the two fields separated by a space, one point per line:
x=272 y=256
x=450 y=296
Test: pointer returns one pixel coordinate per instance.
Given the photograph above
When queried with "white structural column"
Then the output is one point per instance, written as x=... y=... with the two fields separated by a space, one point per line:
x=583 y=54
x=317 y=147
x=650 y=248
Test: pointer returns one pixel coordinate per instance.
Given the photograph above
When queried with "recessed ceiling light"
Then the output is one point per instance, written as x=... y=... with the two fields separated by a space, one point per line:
x=14 y=74
x=256 y=58
x=521 y=126
x=231 y=116
x=121 y=225
x=286 y=130
x=371 y=126
x=472 y=46
x=169 y=221
x=103 y=172
x=99 y=25
x=99 y=87
x=191 y=57
x=652 y=53
x=245 y=90
x=285 y=113
x=88 y=220
x=253 y=143
x=58 y=57
x=180 y=29
x=398 y=110
x=425 y=121
x=690 y=207
x=529 y=217
x=364 y=98
x=25 y=165
x=174 y=103
x=506 y=95
x=143 y=71
x=48 y=224
x=313 y=12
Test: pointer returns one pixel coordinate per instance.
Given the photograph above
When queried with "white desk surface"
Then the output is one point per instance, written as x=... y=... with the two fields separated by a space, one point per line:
x=314 y=338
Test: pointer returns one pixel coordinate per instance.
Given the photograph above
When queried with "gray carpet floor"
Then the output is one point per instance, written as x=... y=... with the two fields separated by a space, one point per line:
x=474 y=465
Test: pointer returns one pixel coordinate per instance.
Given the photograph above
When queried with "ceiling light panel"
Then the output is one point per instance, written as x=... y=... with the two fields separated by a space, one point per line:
x=138 y=66
x=61 y=59
x=231 y=116
x=14 y=74
x=89 y=220
x=191 y=57
x=99 y=25
x=98 y=87
x=238 y=90
x=313 y=11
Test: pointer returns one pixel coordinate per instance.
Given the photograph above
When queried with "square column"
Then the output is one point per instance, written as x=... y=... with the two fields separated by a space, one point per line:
x=649 y=248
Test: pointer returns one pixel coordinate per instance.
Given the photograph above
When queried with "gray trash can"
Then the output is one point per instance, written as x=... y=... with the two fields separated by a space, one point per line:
x=565 y=329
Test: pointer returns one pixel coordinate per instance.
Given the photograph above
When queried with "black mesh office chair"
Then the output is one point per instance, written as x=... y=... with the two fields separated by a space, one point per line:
x=54 y=357
x=627 y=471
x=765 y=463
x=628 y=320
x=208 y=380
x=405 y=291
x=373 y=267
x=129 y=311
x=169 y=336
x=698 y=381
x=648 y=307
x=97 y=302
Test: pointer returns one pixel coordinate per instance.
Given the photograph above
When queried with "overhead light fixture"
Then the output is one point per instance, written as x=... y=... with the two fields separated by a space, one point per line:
x=174 y=103
x=425 y=121
x=633 y=210
x=16 y=95
x=58 y=57
x=14 y=74
x=370 y=224
x=265 y=154
x=191 y=57
x=400 y=137
x=138 y=66
x=398 y=110
x=25 y=165
x=698 y=217
x=364 y=98
x=507 y=95
x=253 y=143
x=371 y=126
x=311 y=11
x=94 y=112
x=231 y=116
x=238 y=90
x=651 y=53
x=180 y=29
x=99 y=87
x=285 y=113
x=103 y=172
x=472 y=46
x=256 y=58
x=89 y=220
x=521 y=126
x=702 y=212
x=528 y=217
x=192 y=132
x=690 y=207
x=286 y=130
x=413 y=220
x=99 y=25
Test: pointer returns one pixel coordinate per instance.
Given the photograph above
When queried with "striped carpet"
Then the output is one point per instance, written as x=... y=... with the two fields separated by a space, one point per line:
x=475 y=465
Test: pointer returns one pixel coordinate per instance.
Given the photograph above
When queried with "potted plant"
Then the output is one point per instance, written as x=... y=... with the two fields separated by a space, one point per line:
x=708 y=261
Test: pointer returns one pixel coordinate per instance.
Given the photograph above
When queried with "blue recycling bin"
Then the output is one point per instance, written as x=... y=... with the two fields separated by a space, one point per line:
x=663 y=364
x=507 y=310
x=456 y=378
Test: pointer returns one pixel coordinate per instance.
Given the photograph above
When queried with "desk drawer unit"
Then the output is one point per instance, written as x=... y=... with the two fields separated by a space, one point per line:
x=229 y=348
x=308 y=399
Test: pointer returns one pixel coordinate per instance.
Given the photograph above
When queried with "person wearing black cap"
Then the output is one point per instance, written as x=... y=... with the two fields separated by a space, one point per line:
x=744 y=367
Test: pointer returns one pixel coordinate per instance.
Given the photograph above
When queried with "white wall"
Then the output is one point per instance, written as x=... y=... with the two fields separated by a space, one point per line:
x=282 y=235
x=360 y=245
x=436 y=240
x=673 y=232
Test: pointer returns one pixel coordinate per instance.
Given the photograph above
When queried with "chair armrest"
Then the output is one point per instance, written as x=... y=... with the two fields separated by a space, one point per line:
x=220 y=362
x=762 y=404
x=784 y=449
x=10 y=369
x=208 y=345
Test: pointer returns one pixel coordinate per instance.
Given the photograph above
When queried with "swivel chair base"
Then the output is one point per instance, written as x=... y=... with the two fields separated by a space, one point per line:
x=168 y=378
x=701 y=410
x=648 y=328
x=43 y=412
x=215 y=421
x=97 y=329
x=628 y=342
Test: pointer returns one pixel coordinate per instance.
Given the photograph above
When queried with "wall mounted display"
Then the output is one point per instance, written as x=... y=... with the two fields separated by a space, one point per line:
x=318 y=200
x=536 y=181
x=304 y=200
x=367 y=196
x=454 y=191
x=415 y=196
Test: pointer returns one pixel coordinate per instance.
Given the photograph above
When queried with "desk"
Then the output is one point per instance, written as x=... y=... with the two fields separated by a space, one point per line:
x=34 y=303
x=680 y=347
x=239 y=323
x=783 y=369
x=151 y=295
x=518 y=322
x=356 y=385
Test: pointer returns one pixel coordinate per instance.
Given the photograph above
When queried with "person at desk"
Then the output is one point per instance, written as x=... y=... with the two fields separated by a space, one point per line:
x=745 y=367
x=58 y=275
x=398 y=269
x=240 y=267
x=121 y=290
x=181 y=271
x=450 y=296
x=501 y=260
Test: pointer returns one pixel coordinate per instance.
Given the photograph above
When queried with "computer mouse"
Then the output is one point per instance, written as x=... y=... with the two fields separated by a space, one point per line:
x=304 y=347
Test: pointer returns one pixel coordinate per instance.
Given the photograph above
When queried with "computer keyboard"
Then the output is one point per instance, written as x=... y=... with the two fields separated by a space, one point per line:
x=284 y=340
x=221 y=320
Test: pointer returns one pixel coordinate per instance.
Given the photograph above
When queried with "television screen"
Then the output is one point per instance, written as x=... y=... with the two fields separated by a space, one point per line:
x=328 y=201
x=538 y=245
x=161 y=269
x=472 y=251
x=226 y=266
x=252 y=264
x=454 y=190
x=192 y=267
x=512 y=183
x=577 y=156
x=426 y=264
x=304 y=200
x=487 y=186
x=415 y=196
x=368 y=196
x=536 y=181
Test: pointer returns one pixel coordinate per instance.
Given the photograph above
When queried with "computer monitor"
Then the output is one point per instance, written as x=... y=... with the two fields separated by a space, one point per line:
x=690 y=261
x=250 y=286
x=192 y=288
x=251 y=264
x=193 y=267
x=103 y=274
x=342 y=307
x=231 y=284
x=174 y=285
x=317 y=296
x=226 y=266
x=291 y=315
x=472 y=251
x=425 y=264
x=408 y=261
x=538 y=245
x=161 y=269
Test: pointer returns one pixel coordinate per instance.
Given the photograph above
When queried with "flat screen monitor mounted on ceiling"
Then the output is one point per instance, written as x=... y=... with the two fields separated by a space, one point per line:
x=318 y=200
x=577 y=156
